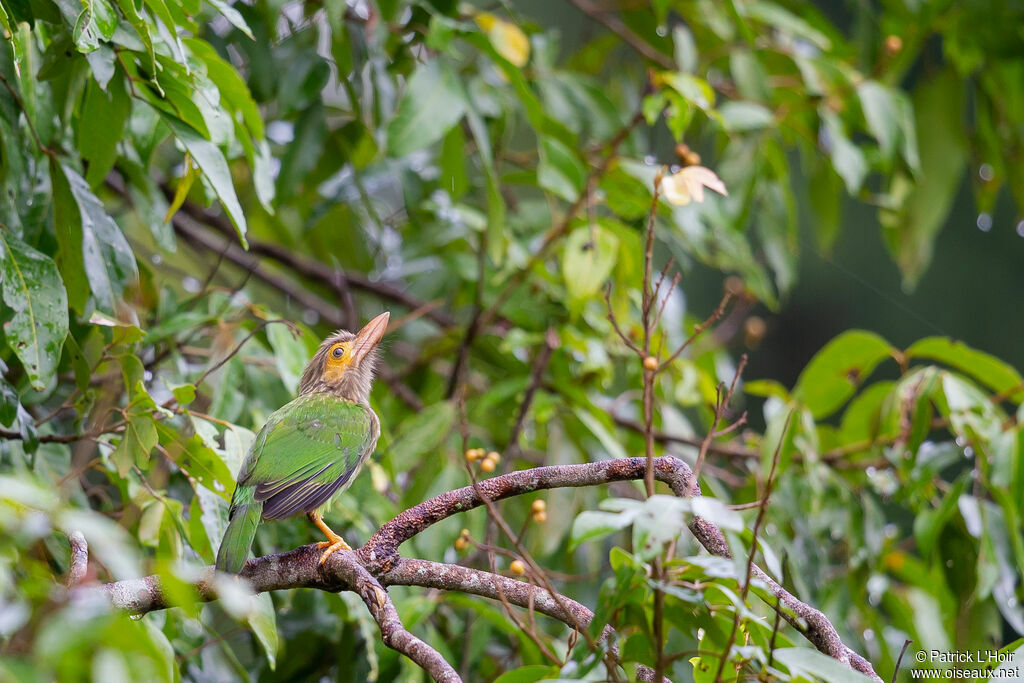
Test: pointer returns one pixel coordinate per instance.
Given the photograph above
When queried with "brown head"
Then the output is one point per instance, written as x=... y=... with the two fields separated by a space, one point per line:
x=344 y=363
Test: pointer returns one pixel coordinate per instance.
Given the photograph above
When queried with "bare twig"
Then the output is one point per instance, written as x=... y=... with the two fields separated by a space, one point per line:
x=335 y=278
x=720 y=408
x=616 y=26
x=540 y=364
x=903 y=651
x=761 y=510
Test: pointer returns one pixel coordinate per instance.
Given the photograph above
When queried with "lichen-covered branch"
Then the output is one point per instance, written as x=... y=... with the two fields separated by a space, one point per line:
x=79 y=564
x=377 y=564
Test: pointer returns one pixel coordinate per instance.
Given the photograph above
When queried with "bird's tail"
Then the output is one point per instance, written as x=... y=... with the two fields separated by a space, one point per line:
x=245 y=517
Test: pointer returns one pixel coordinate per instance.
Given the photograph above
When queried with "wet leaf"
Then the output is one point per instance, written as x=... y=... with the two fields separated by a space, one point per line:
x=36 y=320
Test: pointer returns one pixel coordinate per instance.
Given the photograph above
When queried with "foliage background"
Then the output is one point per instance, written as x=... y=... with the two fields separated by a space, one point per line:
x=445 y=161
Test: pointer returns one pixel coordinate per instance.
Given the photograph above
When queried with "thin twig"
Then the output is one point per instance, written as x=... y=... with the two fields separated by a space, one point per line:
x=616 y=26
x=720 y=408
x=758 y=522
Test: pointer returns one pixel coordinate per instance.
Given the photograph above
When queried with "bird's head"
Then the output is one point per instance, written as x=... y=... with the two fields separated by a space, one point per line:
x=344 y=363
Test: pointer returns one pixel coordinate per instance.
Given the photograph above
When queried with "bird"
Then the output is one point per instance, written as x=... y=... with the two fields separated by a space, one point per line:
x=311 y=448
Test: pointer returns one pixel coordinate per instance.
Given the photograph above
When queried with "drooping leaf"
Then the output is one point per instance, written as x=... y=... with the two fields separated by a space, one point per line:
x=263 y=622
x=847 y=158
x=882 y=113
x=107 y=258
x=100 y=126
x=36 y=320
x=922 y=206
x=215 y=169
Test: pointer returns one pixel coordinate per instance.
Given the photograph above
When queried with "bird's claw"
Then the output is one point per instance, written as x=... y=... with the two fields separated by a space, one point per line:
x=332 y=547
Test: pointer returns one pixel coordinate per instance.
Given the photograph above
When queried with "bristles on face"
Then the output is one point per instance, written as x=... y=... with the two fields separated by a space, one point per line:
x=334 y=370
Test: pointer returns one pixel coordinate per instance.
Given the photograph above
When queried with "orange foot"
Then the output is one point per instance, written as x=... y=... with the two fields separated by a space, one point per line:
x=333 y=543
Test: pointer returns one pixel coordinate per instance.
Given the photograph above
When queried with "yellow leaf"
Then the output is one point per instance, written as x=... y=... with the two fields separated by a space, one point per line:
x=688 y=185
x=184 y=185
x=508 y=39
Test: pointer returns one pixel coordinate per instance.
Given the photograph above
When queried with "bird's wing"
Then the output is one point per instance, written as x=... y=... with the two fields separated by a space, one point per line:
x=307 y=451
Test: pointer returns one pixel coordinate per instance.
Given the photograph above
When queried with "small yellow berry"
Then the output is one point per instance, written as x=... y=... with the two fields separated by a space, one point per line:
x=754 y=329
x=517 y=567
x=461 y=544
x=540 y=516
x=893 y=44
x=487 y=465
x=470 y=455
x=650 y=363
x=464 y=533
x=494 y=455
x=539 y=505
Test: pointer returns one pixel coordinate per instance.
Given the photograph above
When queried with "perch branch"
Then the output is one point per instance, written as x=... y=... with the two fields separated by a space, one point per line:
x=379 y=557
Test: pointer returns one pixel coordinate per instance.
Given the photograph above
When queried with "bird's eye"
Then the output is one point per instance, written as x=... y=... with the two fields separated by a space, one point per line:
x=338 y=352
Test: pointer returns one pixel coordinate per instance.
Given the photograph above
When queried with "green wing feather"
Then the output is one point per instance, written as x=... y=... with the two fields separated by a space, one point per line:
x=309 y=450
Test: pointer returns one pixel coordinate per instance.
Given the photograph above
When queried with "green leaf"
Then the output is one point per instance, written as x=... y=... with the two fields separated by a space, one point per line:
x=847 y=159
x=593 y=524
x=528 y=674
x=808 y=662
x=838 y=369
x=454 y=179
x=433 y=102
x=738 y=117
x=882 y=113
x=196 y=459
x=824 y=193
x=108 y=259
x=685 y=48
x=588 y=258
x=421 y=434
x=36 y=320
x=104 y=18
x=131 y=13
x=290 y=354
x=922 y=207
x=233 y=16
x=9 y=403
x=997 y=375
x=263 y=622
x=560 y=171
x=787 y=22
x=84 y=33
x=100 y=127
x=137 y=443
x=230 y=84
x=213 y=165
x=929 y=523
x=304 y=151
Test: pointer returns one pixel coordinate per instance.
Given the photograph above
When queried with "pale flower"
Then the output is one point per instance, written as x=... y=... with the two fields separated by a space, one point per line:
x=688 y=185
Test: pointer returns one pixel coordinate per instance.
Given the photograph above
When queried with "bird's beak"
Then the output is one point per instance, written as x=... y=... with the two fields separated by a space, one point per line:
x=368 y=337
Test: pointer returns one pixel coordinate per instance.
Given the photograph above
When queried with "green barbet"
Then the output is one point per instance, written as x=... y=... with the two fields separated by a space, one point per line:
x=312 y=448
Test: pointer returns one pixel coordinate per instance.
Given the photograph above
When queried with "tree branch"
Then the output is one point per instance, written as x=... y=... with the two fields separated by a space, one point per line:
x=335 y=278
x=377 y=563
